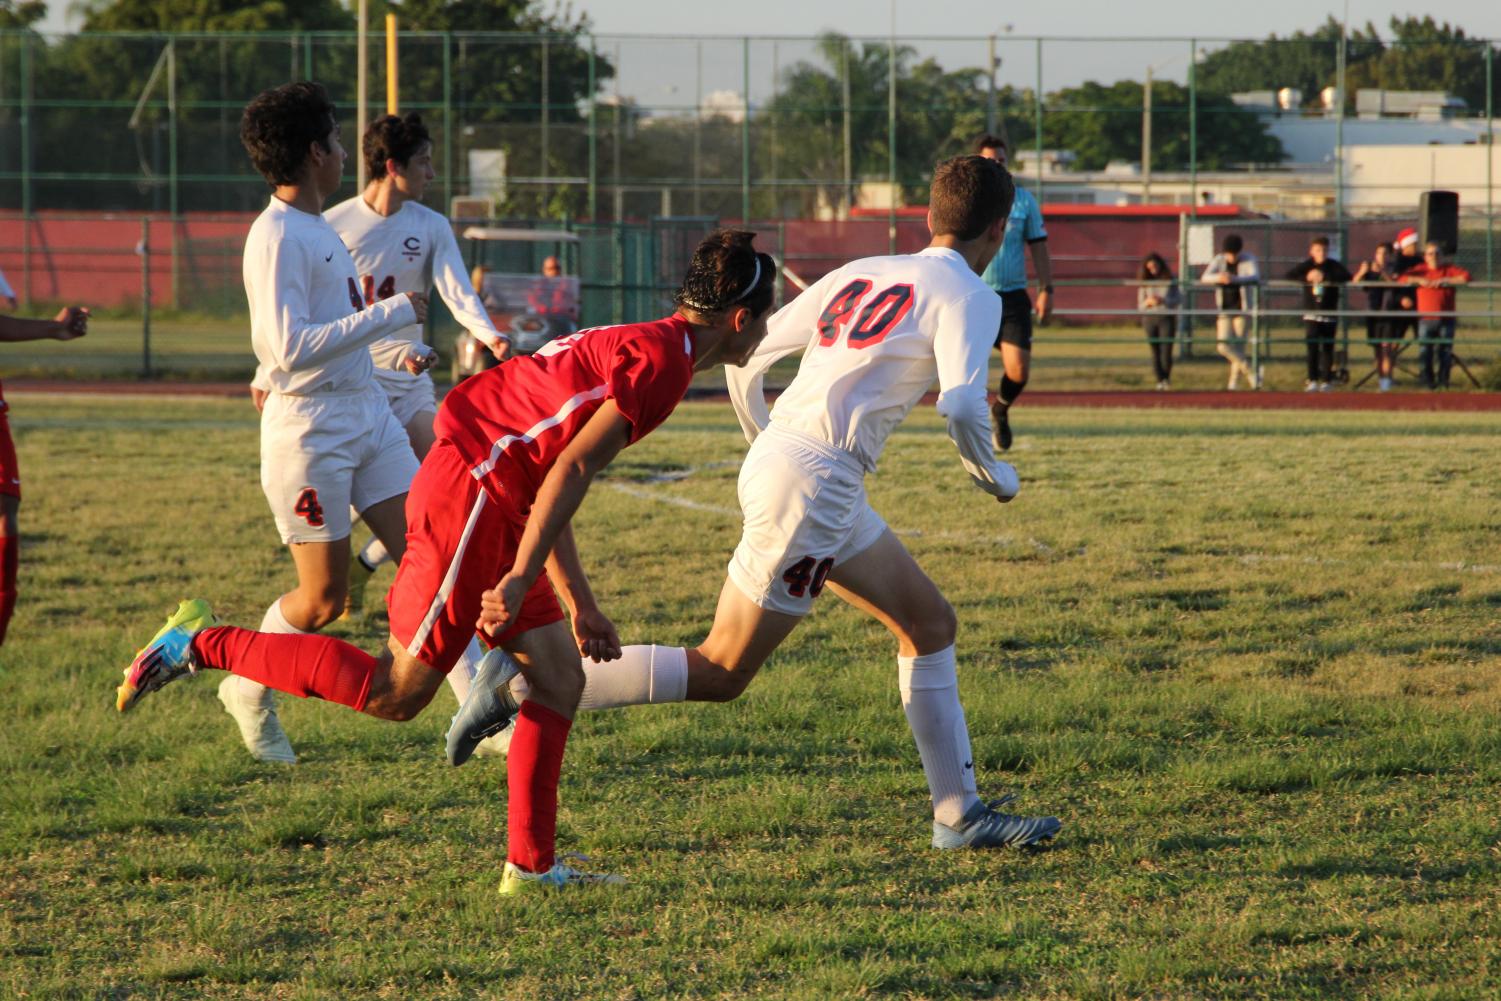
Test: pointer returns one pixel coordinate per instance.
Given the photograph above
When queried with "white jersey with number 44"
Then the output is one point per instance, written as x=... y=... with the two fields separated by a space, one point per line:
x=875 y=334
x=410 y=250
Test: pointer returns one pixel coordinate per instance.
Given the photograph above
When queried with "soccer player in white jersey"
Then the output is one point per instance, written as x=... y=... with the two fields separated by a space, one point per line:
x=874 y=335
x=400 y=245
x=328 y=438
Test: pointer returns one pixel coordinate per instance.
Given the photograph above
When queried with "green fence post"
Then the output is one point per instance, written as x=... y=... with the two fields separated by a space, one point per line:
x=593 y=137
x=745 y=196
x=172 y=203
x=1193 y=128
x=546 y=171
x=1037 y=121
x=26 y=96
x=891 y=142
x=1339 y=178
x=447 y=118
x=145 y=252
x=1491 y=210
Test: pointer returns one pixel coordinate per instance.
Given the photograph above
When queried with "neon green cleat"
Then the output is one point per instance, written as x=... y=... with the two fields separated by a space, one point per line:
x=518 y=881
x=168 y=656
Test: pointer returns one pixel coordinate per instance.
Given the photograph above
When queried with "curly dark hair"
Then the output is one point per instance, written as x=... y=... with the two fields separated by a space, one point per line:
x=393 y=138
x=280 y=125
x=727 y=271
x=969 y=193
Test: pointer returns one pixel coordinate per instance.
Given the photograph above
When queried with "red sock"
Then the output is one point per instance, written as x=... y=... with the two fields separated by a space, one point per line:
x=302 y=664
x=10 y=554
x=532 y=767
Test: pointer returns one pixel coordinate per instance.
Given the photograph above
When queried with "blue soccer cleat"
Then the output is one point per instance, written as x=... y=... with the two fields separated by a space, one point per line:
x=168 y=656
x=983 y=827
x=489 y=708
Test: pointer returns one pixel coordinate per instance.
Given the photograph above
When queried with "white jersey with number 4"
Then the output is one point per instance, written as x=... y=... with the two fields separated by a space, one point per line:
x=410 y=250
x=875 y=334
x=310 y=329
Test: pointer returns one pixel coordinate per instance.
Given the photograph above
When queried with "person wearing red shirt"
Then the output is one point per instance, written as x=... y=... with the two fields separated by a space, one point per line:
x=1436 y=280
x=490 y=509
x=65 y=326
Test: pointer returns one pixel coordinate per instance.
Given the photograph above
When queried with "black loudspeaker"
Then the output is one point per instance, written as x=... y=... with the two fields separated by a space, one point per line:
x=1438 y=219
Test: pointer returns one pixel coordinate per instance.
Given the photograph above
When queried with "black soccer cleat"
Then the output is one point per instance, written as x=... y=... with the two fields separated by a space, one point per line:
x=1000 y=427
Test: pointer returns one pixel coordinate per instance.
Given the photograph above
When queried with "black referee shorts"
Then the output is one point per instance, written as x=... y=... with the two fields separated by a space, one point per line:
x=1016 y=320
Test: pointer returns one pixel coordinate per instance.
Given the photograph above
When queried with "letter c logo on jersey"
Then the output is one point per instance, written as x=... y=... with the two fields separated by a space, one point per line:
x=411 y=247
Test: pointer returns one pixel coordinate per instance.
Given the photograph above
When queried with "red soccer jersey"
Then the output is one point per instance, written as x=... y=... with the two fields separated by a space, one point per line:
x=1436 y=300
x=512 y=422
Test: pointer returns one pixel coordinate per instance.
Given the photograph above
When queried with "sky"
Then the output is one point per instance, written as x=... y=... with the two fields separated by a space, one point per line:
x=1088 y=39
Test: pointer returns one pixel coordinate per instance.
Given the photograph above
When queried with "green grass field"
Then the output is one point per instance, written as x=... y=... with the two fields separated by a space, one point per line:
x=197 y=347
x=1250 y=658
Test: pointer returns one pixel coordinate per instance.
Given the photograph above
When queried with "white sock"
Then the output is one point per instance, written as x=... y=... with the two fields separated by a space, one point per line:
x=644 y=675
x=374 y=553
x=464 y=671
x=272 y=622
x=930 y=697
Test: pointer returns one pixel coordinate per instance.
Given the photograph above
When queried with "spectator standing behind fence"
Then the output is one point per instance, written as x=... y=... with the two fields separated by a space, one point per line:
x=1379 y=272
x=1322 y=277
x=1436 y=280
x=1233 y=270
x=1408 y=257
x=1158 y=299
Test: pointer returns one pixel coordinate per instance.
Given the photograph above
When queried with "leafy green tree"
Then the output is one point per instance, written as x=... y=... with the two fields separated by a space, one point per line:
x=1425 y=55
x=22 y=14
x=1307 y=61
x=1101 y=123
x=217 y=15
x=938 y=113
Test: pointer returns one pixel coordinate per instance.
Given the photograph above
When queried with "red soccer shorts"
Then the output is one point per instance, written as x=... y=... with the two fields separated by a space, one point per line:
x=10 y=471
x=460 y=542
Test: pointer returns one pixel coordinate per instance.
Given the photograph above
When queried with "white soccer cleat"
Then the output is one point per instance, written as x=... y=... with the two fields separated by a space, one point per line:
x=259 y=728
x=516 y=881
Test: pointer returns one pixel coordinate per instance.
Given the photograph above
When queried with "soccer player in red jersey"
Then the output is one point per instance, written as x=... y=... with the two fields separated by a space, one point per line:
x=517 y=449
x=65 y=326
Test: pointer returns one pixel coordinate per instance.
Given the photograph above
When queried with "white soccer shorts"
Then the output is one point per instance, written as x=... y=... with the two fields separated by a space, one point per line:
x=409 y=396
x=805 y=512
x=320 y=454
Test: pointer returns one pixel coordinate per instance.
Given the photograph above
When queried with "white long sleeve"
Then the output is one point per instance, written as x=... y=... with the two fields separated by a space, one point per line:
x=302 y=343
x=790 y=330
x=453 y=284
x=961 y=347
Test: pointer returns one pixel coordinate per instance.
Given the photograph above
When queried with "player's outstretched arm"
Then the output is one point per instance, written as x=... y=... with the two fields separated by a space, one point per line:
x=68 y=324
x=299 y=342
x=961 y=348
x=559 y=497
x=457 y=290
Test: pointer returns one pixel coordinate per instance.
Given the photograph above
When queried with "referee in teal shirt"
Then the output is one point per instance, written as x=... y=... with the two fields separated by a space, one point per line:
x=1007 y=274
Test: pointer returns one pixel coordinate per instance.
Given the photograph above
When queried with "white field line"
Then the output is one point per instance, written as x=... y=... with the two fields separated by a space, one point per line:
x=1250 y=559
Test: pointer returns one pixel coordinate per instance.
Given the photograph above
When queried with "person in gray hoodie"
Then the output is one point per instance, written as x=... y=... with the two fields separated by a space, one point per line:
x=1233 y=269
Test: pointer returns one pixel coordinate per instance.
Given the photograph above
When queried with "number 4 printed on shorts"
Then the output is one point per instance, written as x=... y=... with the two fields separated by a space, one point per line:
x=308 y=508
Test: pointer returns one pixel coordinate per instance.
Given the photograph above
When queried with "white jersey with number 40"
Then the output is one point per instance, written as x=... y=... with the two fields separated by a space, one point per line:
x=410 y=250
x=875 y=334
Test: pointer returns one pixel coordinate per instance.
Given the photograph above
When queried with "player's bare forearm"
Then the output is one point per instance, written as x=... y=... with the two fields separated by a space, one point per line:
x=65 y=326
x=1042 y=263
x=567 y=573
